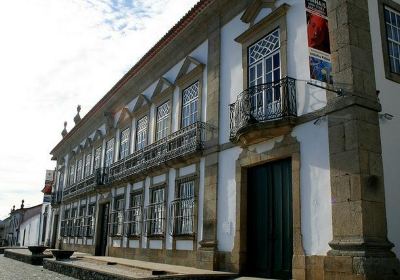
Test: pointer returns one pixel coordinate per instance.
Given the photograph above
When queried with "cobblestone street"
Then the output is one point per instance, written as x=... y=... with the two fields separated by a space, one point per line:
x=15 y=270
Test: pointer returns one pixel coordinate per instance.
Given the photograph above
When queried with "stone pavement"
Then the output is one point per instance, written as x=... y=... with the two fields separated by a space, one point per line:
x=14 y=270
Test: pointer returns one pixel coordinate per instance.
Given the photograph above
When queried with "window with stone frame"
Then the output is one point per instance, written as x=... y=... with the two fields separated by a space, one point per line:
x=190 y=99
x=162 y=121
x=392 y=24
x=141 y=133
x=97 y=158
x=133 y=215
x=61 y=180
x=182 y=209
x=64 y=224
x=155 y=212
x=88 y=224
x=79 y=229
x=88 y=165
x=264 y=68
x=79 y=170
x=71 y=174
x=117 y=217
x=124 y=143
x=72 y=222
x=109 y=152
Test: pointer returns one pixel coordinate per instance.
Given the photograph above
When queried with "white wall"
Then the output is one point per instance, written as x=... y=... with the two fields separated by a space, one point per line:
x=390 y=130
x=315 y=188
x=31 y=228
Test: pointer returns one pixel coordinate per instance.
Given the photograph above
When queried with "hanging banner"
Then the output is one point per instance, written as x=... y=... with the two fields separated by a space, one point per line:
x=318 y=41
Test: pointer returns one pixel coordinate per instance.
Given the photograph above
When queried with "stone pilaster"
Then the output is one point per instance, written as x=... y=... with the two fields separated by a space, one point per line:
x=206 y=255
x=360 y=249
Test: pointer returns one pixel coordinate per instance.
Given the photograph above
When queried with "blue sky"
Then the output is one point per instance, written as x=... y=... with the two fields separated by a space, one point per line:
x=55 y=55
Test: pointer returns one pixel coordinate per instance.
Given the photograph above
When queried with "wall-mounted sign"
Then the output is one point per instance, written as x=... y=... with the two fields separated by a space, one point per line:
x=318 y=41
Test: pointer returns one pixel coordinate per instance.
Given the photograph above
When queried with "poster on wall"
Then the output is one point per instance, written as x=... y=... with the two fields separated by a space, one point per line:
x=318 y=41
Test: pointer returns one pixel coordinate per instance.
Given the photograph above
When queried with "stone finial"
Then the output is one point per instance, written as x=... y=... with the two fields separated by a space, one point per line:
x=64 y=132
x=13 y=209
x=22 y=204
x=77 y=118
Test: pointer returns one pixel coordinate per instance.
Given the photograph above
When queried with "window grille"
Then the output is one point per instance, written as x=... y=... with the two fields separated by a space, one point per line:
x=155 y=213
x=182 y=210
x=116 y=221
x=190 y=97
x=392 y=21
x=133 y=216
x=72 y=174
x=79 y=221
x=88 y=223
x=162 y=121
x=97 y=158
x=109 y=152
x=88 y=164
x=79 y=170
x=264 y=68
x=124 y=144
x=141 y=132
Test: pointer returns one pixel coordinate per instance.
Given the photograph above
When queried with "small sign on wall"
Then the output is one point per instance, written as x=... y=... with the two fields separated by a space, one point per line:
x=318 y=41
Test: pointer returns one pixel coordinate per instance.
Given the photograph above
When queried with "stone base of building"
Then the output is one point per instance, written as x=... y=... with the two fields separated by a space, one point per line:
x=345 y=267
x=89 y=249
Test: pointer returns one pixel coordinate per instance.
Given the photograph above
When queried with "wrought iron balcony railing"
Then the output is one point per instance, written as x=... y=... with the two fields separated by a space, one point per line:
x=181 y=220
x=56 y=197
x=184 y=142
x=263 y=103
x=83 y=186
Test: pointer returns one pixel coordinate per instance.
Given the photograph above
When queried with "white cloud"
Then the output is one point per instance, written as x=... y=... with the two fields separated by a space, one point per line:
x=55 y=55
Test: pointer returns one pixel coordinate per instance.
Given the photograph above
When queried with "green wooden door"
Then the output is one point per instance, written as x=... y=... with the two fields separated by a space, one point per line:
x=269 y=220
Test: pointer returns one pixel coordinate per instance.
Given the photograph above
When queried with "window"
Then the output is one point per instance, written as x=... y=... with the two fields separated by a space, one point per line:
x=72 y=174
x=88 y=224
x=392 y=23
x=109 y=152
x=72 y=222
x=134 y=215
x=79 y=170
x=162 y=121
x=124 y=144
x=117 y=217
x=182 y=209
x=141 y=133
x=190 y=98
x=80 y=220
x=264 y=68
x=88 y=165
x=97 y=158
x=64 y=224
x=61 y=181
x=156 y=212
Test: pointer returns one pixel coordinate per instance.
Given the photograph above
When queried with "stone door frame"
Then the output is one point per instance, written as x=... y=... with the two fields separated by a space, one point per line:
x=289 y=147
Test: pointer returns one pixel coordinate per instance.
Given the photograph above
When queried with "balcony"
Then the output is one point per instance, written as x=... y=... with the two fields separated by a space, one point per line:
x=263 y=112
x=56 y=198
x=184 y=143
x=85 y=185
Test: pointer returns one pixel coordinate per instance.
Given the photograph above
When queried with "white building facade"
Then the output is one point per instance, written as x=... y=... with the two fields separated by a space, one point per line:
x=222 y=149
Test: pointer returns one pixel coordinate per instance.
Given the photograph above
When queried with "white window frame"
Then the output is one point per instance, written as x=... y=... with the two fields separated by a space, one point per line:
x=109 y=158
x=393 y=38
x=97 y=158
x=141 y=132
x=124 y=143
x=190 y=104
x=162 y=120
x=88 y=165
